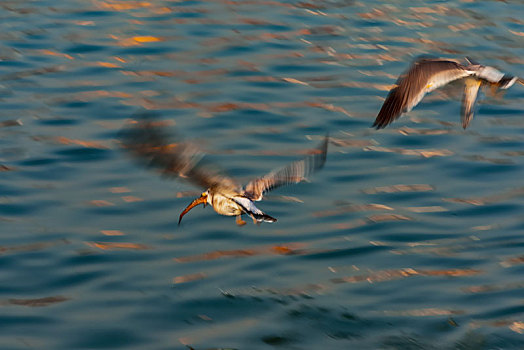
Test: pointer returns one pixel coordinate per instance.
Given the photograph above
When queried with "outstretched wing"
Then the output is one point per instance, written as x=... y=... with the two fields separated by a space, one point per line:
x=423 y=76
x=471 y=89
x=147 y=140
x=293 y=173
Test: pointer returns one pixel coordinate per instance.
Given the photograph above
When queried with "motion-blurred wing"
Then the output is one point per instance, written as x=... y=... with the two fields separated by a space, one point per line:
x=423 y=76
x=471 y=90
x=147 y=141
x=293 y=173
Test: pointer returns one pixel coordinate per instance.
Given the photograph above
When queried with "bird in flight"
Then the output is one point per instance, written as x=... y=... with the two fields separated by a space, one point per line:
x=146 y=139
x=428 y=74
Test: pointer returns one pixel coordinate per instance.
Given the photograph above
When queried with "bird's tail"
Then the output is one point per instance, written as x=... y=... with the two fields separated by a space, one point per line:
x=262 y=217
x=507 y=81
x=250 y=209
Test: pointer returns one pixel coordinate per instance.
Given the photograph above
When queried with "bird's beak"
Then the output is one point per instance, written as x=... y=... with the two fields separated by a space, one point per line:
x=200 y=200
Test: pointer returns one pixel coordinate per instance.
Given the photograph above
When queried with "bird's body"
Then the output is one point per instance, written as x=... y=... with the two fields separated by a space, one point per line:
x=426 y=75
x=148 y=142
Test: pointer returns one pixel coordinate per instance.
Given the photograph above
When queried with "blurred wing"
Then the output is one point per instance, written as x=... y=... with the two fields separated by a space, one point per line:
x=291 y=174
x=471 y=90
x=147 y=141
x=422 y=77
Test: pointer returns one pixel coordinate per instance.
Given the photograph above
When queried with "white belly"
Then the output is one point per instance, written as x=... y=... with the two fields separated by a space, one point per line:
x=225 y=206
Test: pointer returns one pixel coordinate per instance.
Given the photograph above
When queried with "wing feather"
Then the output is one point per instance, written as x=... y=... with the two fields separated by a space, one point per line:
x=424 y=76
x=291 y=174
x=147 y=141
x=471 y=90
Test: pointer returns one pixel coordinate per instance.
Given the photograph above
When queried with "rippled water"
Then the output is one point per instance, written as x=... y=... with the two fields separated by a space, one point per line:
x=410 y=237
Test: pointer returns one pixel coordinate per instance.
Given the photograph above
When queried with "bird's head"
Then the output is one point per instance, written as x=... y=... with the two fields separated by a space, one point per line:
x=200 y=200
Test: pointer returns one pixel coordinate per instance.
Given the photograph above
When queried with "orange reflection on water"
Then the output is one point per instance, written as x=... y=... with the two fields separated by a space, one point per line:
x=100 y=203
x=481 y=158
x=292 y=248
x=402 y=22
x=493 y=288
x=351 y=142
x=117 y=245
x=87 y=96
x=329 y=107
x=112 y=232
x=29 y=247
x=388 y=217
x=516 y=33
x=119 y=190
x=121 y=5
x=517 y=326
x=424 y=312
x=109 y=65
x=54 y=53
x=189 y=278
x=375 y=13
x=350 y=225
x=412 y=152
x=428 y=209
x=134 y=41
x=400 y=188
x=496 y=198
x=388 y=275
x=6 y=168
x=88 y=144
x=39 y=302
x=67 y=141
x=407 y=131
x=513 y=261
x=438 y=9
x=131 y=199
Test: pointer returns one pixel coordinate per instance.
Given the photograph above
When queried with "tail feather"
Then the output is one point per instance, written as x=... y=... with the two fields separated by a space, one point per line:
x=262 y=217
x=249 y=208
x=507 y=81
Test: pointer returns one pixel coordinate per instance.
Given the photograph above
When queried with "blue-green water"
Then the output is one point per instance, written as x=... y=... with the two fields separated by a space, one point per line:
x=410 y=237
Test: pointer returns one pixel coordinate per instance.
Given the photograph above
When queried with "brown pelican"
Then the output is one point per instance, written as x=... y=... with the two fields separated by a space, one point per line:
x=426 y=75
x=147 y=141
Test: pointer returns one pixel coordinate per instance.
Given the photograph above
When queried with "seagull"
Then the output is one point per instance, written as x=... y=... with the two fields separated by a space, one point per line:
x=428 y=74
x=146 y=140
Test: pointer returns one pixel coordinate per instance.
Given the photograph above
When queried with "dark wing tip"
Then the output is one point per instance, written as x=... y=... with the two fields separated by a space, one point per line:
x=391 y=110
x=323 y=151
x=380 y=123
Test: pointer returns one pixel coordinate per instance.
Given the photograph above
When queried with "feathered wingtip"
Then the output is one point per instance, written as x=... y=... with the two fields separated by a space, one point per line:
x=323 y=150
x=147 y=140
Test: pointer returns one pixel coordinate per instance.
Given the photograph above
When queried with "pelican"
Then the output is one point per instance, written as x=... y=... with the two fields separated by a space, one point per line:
x=427 y=74
x=147 y=141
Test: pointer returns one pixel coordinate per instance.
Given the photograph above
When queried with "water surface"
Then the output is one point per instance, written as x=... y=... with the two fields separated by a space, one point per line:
x=410 y=237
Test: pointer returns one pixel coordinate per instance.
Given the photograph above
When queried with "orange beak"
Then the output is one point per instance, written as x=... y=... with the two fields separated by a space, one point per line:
x=200 y=200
